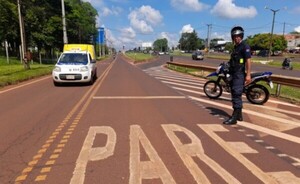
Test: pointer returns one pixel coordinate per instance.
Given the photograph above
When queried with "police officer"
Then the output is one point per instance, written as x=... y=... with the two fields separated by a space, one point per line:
x=240 y=67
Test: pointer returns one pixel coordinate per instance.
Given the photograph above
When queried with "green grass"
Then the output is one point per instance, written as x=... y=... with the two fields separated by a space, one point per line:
x=14 y=72
x=139 y=57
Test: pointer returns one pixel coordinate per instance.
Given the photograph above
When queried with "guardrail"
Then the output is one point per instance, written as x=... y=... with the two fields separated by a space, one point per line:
x=278 y=79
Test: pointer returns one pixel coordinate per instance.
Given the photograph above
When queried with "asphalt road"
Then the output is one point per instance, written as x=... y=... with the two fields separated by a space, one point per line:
x=256 y=67
x=142 y=124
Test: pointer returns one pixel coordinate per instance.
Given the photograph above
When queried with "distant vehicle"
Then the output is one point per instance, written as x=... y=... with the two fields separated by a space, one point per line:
x=197 y=55
x=263 y=53
x=77 y=63
x=287 y=64
x=161 y=53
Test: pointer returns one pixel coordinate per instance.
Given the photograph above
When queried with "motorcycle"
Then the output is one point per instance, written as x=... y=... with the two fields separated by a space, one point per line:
x=255 y=93
x=287 y=64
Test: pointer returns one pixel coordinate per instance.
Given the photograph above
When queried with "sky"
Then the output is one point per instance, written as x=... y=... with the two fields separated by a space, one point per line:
x=130 y=23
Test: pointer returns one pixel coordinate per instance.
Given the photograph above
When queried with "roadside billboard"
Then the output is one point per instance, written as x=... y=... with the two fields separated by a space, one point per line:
x=101 y=36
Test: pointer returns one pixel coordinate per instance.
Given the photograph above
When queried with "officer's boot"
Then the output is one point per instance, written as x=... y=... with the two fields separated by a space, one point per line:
x=232 y=120
x=240 y=115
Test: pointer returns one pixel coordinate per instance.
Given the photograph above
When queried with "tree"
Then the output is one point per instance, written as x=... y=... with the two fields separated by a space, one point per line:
x=9 y=23
x=161 y=45
x=81 y=22
x=43 y=23
x=190 y=41
x=262 y=42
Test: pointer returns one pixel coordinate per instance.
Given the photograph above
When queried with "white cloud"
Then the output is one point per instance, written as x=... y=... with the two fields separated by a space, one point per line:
x=171 y=37
x=144 y=18
x=225 y=36
x=187 y=29
x=228 y=9
x=126 y=38
x=297 y=29
x=189 y=5
x=128 y=32
x=107 y=11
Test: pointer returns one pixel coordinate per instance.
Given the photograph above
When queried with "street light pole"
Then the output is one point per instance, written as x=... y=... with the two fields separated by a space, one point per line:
x=208 y=36
x=271 y=37
x=22 y=34
x=64 y=22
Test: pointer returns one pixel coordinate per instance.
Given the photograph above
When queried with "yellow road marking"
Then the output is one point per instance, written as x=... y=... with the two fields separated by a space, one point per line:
x=50 y=162
x=46 y=169
x=41 y=178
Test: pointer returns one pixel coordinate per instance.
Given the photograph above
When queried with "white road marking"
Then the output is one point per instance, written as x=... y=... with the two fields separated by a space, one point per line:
x=178 y=84
x=181 y=82
x=154 y=168
x=274 y=133
x=195 y=149
x=137 y=97
x=210 y=130
x=166 y=77
x=282 y=120
x=25 y=84
x=224 y=98
x=89 y=153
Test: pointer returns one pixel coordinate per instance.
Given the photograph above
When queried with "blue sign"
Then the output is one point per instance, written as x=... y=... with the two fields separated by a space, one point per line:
x=101 y=38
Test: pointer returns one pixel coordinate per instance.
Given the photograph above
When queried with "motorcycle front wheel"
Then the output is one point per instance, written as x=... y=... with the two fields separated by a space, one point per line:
x=257 y=94
x=212 y=89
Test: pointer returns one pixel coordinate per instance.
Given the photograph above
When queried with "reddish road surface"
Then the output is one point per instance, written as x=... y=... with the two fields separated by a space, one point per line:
x=140 y=124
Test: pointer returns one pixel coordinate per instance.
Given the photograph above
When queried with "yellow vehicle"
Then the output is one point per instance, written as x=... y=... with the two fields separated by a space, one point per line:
x=81 y=47
x=77 y=63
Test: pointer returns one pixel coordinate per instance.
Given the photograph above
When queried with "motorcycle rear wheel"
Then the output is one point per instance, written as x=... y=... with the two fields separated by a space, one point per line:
x=212 y=89
x=257 y=94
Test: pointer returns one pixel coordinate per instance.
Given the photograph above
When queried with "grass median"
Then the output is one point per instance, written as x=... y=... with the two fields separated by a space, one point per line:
x=137 y=57
x=13 y=72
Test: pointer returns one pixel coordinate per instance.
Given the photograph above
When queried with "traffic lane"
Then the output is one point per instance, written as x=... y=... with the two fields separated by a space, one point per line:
x=28 y=116
x=120 y=114
x=153 y=120
x=30 y=111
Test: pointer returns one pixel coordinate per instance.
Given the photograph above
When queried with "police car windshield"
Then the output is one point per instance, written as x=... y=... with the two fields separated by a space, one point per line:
x=73 y=58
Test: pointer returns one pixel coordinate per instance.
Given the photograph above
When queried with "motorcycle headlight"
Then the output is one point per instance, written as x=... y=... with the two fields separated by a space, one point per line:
x=84 y=69
x=57 y=69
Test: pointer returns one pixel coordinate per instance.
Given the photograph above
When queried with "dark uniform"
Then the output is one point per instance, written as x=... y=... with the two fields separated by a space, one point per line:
x=237 y=69
x=238 y=62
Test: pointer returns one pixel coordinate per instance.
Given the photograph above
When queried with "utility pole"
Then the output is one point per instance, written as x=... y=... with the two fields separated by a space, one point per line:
x=22 y=35
x=271 y=37
x=208 y=36
x=283 y=32
x=64 y=21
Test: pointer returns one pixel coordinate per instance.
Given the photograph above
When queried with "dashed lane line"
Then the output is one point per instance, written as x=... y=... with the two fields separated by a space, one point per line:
x=85 y=101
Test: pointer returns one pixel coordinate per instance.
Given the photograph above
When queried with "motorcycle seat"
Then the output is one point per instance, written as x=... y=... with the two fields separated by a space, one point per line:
x=253 y=75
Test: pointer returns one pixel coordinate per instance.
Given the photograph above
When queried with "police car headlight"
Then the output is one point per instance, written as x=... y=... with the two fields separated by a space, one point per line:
x=84 y=69
x=57 y=69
